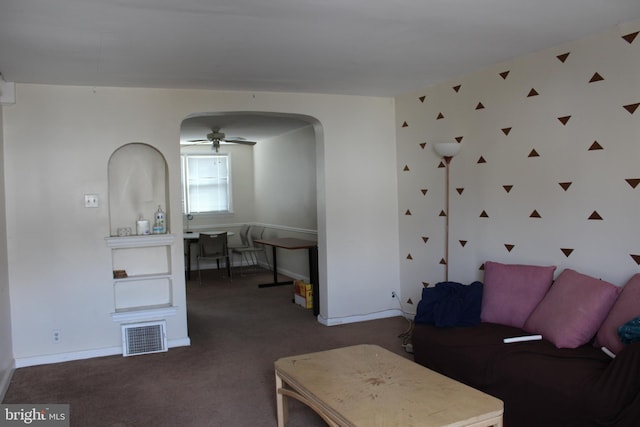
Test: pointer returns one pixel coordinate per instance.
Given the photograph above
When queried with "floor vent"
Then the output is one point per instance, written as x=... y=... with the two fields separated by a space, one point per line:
x=144 y=338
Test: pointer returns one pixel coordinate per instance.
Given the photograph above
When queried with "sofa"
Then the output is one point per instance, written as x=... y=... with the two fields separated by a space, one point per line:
x=575 y=369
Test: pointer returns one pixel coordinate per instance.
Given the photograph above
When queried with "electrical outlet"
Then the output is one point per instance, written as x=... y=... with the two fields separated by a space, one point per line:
x=56 y=337
x=90 y=200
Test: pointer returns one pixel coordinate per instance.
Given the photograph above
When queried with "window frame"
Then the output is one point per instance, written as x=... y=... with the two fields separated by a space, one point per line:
x=184 y=172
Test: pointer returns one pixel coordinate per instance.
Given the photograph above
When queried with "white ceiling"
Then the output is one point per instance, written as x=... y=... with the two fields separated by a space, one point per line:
x=361 y=47
x=356 y=47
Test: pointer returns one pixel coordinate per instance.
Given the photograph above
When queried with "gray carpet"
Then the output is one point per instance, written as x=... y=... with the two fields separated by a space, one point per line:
x=225 y=378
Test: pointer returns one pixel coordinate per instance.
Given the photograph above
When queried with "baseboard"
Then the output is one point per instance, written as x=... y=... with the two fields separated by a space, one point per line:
x=332 y=321
x=88 y=354
x=5 y=381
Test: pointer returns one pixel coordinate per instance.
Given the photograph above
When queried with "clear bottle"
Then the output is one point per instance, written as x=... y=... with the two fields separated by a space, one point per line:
x=159 y=226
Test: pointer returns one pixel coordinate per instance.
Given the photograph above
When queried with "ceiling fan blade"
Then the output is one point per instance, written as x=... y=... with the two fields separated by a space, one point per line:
x=240 y=141
x=198 y=140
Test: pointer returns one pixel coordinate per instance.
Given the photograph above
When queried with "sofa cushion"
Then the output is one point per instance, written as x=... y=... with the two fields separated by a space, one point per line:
x=573 y=309
x=626 y=308
x=512 y=291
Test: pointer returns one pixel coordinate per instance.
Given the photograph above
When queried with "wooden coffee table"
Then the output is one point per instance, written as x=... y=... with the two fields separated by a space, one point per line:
x=366 y=385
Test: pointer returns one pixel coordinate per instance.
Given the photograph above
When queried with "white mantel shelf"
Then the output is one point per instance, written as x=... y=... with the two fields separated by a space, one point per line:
x=140 y=241
x=138 y=314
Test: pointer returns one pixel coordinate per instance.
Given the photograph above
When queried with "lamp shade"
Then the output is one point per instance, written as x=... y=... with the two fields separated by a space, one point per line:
x=446 y=149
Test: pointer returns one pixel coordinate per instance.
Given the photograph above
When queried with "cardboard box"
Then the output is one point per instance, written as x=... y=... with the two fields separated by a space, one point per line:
x=303 y=293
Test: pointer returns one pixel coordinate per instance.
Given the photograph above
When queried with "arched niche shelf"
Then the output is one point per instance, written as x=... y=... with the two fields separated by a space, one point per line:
x=138 y=184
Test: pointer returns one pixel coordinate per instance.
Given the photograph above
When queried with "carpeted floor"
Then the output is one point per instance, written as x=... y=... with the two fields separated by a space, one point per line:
x=225 y=378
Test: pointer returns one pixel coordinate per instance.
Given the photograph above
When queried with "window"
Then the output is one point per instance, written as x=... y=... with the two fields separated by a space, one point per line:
x=206 y=183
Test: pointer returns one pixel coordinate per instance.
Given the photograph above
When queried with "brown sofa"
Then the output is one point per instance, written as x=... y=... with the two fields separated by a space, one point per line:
x=541 y=385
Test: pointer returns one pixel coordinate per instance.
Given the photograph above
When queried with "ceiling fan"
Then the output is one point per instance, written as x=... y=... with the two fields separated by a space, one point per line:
x=215 y=137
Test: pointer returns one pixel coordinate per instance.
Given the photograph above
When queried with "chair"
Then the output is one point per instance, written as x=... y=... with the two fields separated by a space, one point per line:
x=244 y=238
x=213 y=247
x=249 y=253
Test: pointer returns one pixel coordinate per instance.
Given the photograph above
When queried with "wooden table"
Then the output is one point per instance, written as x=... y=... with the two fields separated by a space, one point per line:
x=294 y=243
x=368 y=386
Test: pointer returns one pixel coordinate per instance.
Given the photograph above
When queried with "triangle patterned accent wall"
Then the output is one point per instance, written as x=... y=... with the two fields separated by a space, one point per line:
x=548 y=164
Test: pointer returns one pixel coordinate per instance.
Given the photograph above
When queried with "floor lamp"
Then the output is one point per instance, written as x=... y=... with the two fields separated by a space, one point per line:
x=446 y=150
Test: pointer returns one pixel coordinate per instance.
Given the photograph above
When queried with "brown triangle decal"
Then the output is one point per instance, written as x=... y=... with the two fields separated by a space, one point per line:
x=410 y=301
x=479 y=106
x=633 y=182
x=441 y=165
x=563 y=57
x=405 y=124
x=409 y=257
x=596 y=78
x=506 y=131
x=463 y=243
x=636 y=258
x=535 y=214
x=443 y=262
x=564 y=119
x=565 y=185
x=482 y=160
x=423 y=144
x=459 y=139
x=631 y=108
x=440 y=116
x=484 y=214
x=425 y=284
x=595 y=146
x=504 y=74
x=442 y=213
x=481 y=267
x=424 y=191
x=460 y=190
x=406 y=168
x=509 y=247
x=408 y=212
x=566 y=251
x=457 y=88
x=629 y=38
x=422 y=98
x=595 y=215
x=532 y=92
x=425 y=239
x=507 y=188
x=533 y=153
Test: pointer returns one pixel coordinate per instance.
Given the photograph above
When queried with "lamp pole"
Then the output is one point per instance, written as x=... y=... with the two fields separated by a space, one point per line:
x=447 y=150
x=447 y=161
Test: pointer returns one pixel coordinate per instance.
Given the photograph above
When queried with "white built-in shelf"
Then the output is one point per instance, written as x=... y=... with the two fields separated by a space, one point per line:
x=146 y=240
x=136 y=314
x=142 y=277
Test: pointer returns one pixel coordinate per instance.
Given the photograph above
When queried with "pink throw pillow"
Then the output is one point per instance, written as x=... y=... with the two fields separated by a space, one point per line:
x=573 y=309
x=512 y=291
x=627 y=307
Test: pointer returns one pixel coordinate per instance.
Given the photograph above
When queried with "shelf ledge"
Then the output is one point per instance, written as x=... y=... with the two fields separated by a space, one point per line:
x=137 y=314
x=140 y=241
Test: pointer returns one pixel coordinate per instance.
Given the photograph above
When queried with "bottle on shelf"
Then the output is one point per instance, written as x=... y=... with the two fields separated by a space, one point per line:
x=159 y=226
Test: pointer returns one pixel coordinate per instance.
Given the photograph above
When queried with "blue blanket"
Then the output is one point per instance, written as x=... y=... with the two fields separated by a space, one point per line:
x=450 y=304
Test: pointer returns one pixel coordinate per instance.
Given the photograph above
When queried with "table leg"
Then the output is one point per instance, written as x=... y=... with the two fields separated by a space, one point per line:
x=281 y=403
x=313 y=275
x=188 y=242
x=275 y=273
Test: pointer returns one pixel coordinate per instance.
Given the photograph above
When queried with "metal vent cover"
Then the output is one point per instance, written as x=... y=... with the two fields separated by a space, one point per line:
x=144 y=338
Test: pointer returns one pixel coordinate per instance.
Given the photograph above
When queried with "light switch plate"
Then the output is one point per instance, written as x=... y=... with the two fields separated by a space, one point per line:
x=90 y=200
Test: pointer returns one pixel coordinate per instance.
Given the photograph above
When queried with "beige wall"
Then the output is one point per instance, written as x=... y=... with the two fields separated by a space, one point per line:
x=508 y=121
x=58 y=140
